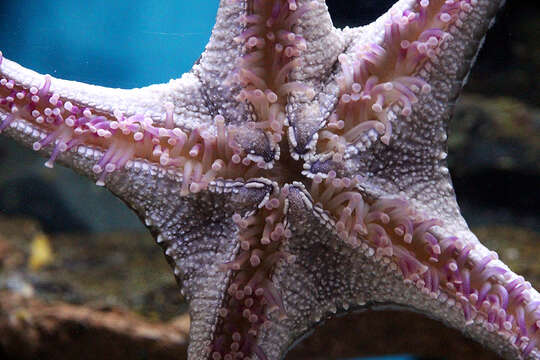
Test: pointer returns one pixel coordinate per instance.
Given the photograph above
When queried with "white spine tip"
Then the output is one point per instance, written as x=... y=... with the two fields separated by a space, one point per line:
x=97 y=169
x=376 y=107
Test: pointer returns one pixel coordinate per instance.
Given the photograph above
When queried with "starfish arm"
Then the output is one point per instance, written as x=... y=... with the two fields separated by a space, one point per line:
x=219 y=60
x=394 y=96
x=157 y=124
x=422 y=52
x=224 y=48
x=311 y=24
x=430 y=47
x=249 y=66
x=325 y=44
x=149 y=100
x=461 y=284
x=325 y=41
x=199 y=236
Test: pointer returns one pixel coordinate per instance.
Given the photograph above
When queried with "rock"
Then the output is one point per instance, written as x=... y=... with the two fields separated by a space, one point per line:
x=30 y=329
x=125 y=270
x=495 y=134
x=494 y=147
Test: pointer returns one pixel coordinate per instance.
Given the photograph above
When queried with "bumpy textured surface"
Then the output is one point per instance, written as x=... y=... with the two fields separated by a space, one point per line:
x=298 y=171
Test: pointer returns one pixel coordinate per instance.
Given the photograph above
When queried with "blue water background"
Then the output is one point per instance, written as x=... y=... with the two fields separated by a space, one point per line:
x=111 y=43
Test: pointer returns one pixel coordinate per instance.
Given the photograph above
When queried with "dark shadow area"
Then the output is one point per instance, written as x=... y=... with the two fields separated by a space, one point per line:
x=381 y=333
x=356 y=13
x=499 y=188
x=34 y=198
x=509 y=60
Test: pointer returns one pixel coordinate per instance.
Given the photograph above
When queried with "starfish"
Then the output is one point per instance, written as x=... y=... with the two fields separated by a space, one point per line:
x=297 y=172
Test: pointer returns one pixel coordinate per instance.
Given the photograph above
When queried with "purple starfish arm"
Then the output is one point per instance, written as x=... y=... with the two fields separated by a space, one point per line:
x=298 y=171
x=87 y=114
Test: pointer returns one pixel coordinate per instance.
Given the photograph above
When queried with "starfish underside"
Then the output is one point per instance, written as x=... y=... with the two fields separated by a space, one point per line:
x=296 y=172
